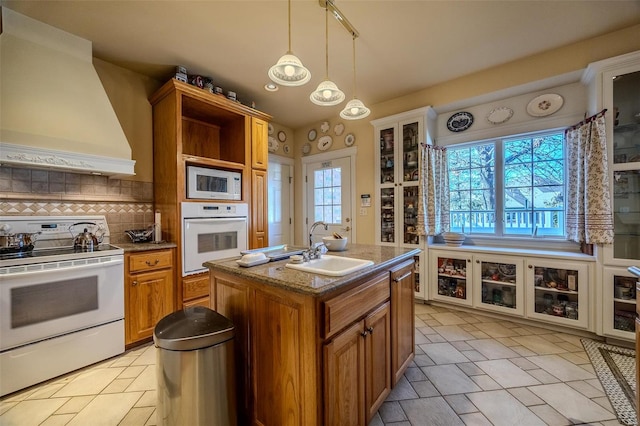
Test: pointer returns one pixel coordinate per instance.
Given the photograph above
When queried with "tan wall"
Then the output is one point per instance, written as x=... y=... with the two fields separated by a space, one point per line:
x=537 y=67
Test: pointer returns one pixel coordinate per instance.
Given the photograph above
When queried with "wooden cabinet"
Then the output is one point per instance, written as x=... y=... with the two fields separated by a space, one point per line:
x=195 y=290
x=194 y=127
x=402 y=308
x=149 y=283
x=313 y=360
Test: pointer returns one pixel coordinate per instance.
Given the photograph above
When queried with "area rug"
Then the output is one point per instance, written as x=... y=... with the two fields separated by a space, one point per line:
x=616 y=370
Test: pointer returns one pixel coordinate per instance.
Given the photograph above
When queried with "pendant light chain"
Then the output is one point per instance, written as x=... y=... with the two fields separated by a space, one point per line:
x=354 y=68
x=326 y=41
x=289 y=25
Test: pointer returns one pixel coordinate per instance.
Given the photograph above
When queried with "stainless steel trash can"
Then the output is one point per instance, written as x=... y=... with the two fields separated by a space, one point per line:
x=195 y=371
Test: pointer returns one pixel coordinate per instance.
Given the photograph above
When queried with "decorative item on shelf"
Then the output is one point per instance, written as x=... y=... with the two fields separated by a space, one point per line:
x=289 y=71
x=218 y=90
x=349 y=139
x=232 y=95
x=181 y=74
x=208 y=84
x=454 y=239
x=460 y=121
x=544 y=105
x=196 y=80
x=499 y=115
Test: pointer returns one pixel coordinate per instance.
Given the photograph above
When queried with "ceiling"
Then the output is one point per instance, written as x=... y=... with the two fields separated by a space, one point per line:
x=404 y=46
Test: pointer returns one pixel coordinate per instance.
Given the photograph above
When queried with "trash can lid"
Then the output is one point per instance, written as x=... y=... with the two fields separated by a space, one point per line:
x=192 y=328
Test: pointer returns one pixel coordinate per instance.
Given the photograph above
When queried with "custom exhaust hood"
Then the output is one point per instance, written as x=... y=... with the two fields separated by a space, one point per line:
x=54 y=112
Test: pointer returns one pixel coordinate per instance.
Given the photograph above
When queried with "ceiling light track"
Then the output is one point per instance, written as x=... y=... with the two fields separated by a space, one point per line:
x=331 y=7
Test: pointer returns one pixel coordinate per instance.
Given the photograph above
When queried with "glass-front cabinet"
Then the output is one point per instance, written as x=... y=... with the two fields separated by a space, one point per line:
x=618 y=303
x=557 y=291
x=398 y=140
x=451 y=274
x=498 y=284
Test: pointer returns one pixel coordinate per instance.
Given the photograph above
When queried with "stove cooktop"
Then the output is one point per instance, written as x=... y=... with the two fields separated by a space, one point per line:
x=56 y=254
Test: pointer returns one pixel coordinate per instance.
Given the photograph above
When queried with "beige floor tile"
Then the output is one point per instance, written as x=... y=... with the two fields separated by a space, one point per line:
x=525 y=396
x=449 y=379
x=132 y=372
x=576 y=340
x=485 y=382
x=426 y=330
x=75 y=404
x=58 y=420
x=470 y=368
x=106 y=410
x=543 y=376
x=125 y=361
x=502 y=409
x=522 y=351
x=475 y=419
x=4 y=406
x=443 y=353
x=570 y=347
x=561 y=368
x=576 y=357
x=422 y=308
x=118 y=385
x=419 y=322
x=479 y=334
x=420 y=338
x=90 y=382
x=149 y=399
x=137 y=416
x=145 y=381
x=474 y=355
x=571 y=404
x=436 y=338
x=507 y=341
x=432 y=322
x=507 y=374
x=539 y=345
x=152 y=419
x=525 y=330
x=468 y=327
x=586 y=389
x=524 y=363
x=45 y=391
x=453 y=333
x=148 y=357
x=448 y=318
x=460 y=404
x=461 y=346
x=603 y=401
x=31 y=412
x=492 y=349
x=549 y=415
x=495 y=329
x=429 y=412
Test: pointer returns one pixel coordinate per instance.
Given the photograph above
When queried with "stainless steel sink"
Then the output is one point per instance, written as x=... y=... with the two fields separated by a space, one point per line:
x=335 y=266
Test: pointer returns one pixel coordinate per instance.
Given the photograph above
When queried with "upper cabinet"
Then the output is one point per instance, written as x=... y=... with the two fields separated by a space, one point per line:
x=615 y=85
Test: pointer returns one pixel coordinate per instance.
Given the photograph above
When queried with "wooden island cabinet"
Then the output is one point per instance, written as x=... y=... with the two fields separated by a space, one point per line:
x=314 y=349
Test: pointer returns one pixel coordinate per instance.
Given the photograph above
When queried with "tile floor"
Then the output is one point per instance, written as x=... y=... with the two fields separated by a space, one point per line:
x=469 y=369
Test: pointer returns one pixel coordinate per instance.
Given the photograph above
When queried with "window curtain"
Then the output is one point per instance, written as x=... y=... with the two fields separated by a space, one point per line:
x=433 y=191
x=589 y=213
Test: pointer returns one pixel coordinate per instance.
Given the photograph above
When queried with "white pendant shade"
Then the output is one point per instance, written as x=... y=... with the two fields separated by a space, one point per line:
x=354 y=110
x=289 y=71
x=327 y=94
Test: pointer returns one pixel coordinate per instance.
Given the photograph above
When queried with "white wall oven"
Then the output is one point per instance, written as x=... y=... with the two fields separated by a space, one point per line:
x=212 y=231
x=62 y=307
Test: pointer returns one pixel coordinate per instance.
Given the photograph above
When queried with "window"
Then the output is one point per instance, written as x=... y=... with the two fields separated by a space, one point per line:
x=327 y=195
x=512 y=186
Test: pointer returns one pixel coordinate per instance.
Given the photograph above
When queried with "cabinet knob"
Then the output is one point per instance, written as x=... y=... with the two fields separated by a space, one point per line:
x=154 y=264
x=364 y=333
x=370 y=330
x=530 y=266
x=134 y=283
x=477 y=261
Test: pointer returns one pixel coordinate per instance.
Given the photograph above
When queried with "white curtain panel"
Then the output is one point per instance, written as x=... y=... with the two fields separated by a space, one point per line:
x=589 y=215
x=433 y=191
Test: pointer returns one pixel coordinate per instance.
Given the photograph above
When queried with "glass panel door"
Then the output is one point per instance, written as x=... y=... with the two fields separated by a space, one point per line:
x=453 y=283
x=410 y=209
x=410 y=141
x=387 y=155
x=500 y=284
x=387 y=215
x=626 y=119
x=626 y=207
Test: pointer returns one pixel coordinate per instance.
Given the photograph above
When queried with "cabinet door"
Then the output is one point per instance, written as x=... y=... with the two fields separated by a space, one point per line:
x=259 y=233
x=259 y=144
x=411 y=136
x=377 y=359
x=344 y=377
x=499 y=284
x=150 y=296
x=557 y=291
x=402 y=319
x=451 y=277
x=618 y=303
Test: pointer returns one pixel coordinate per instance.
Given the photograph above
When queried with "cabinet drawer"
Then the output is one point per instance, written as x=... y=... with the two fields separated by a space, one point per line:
x=149 y=261
x=348 y=307
x=194 y=287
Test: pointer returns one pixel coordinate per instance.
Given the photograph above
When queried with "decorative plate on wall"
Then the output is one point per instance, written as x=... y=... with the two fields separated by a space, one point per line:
x=312 y=135
x=460 y=121
x=349 y=139
x=544 y=105
x=285 y=148
x=324 y=127
x=338 y=129
x=273 y=144
x=270 y=128
x=325 y=143
x=499 y=115
x=306 y=148
x=282 y=136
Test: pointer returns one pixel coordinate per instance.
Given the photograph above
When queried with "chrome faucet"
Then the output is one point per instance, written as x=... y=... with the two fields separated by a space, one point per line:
x=315 y=224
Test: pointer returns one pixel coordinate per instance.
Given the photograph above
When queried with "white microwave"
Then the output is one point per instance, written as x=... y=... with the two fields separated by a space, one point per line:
x=213 y=184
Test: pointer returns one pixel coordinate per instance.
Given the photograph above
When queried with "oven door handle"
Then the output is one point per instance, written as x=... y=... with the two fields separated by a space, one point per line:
x=62 y=265
x=217 y=220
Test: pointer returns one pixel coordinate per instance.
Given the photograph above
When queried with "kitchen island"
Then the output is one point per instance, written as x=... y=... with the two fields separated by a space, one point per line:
x=314 y=349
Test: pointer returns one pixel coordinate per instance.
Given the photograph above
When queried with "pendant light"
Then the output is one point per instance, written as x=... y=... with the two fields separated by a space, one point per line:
x=289 y=71
x=327 y=93
x=354 y=109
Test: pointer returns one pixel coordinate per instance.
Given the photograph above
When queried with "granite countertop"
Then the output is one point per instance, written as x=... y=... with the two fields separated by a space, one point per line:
x=277 y=275
x=135 y=247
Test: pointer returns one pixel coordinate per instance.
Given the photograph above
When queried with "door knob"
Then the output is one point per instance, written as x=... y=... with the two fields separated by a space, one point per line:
x=347 y=220
x=348 y=228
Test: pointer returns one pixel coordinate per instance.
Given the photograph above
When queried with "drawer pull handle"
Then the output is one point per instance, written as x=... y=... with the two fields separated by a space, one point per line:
x=149 y=262
x=134 y=283
x=370 y=330
x=402 y=277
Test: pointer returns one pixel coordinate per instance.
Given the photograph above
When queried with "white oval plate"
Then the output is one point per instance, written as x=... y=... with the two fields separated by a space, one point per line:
x=273 y=144
x=544 y=105
x=324 y=143
x=349 y=139
x=500 y=115
x=312 y=135
x=270 y=128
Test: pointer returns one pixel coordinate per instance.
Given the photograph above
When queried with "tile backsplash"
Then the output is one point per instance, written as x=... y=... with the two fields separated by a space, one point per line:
x=127 y=204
